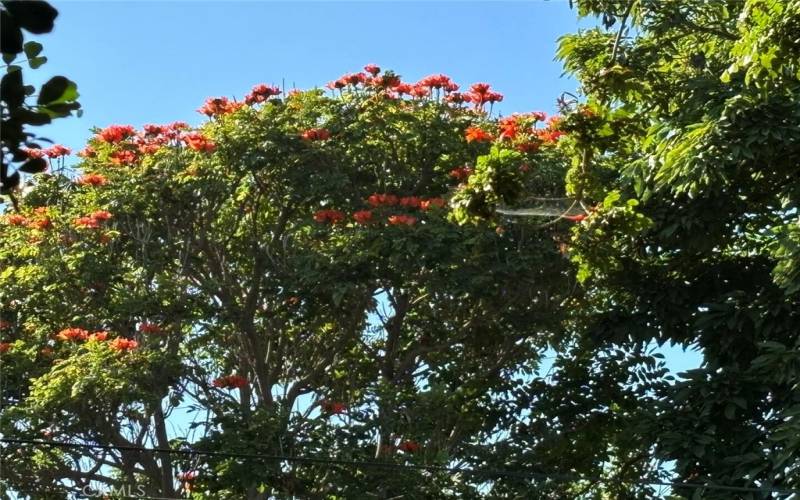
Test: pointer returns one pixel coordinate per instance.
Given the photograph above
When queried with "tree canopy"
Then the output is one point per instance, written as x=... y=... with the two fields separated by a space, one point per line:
x=289 y=271
x=447 y=302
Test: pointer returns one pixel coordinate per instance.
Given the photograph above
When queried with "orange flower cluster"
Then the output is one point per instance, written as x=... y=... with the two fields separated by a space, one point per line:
x=409 y=446
x=230 y=382
x=402 y=220
x=393 y=87
x=54 y=151
x=5 y=347
x=199 y=142
x=16 y=220
x=217 y=106
x=41 y=223
x=388 y=200
x=431 y=203
x=461 y=173
x=57 y=151
x=316 y=134
x=79 y=334
x=329 y=216
x=333 y=407
x=92 y=180
x=123 y=157
x=99 y=336
x=363 y=216
x=87 y=152
x=149 y=328
x=93 y=220
x=122 y=344
x=116 y=133
x=72 y=334
x=476 y=134
x=261 y=93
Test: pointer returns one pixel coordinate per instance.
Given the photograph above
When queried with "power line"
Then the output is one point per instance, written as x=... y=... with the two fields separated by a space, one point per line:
x=557 y=477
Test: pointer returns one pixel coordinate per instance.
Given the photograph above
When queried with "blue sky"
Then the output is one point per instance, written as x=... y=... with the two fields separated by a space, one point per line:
x=156 y=62
x=153 y=62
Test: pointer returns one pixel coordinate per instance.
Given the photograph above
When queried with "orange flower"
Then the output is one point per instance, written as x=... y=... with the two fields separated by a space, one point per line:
x=33 y=153
x=230 y=382
x=261 y=93
x=91 y=180
x=402 y=220
x=330 y=216
x=548 y=135
x=199 y=142
x=363 y=216
x=5 y=347
x=215 y=106
x=57 y=151
x=124 y=157
x=438 y=82
x=100 y=215
x=86 y=222
x=72 y=334
x=508 y=127
x=333 y=407
x=528 y=147
x=16 y=220
x=475 y=134
x=316 y=134
x=87 y=152
x=99 y=336
x=123 y=344
x=377 y=200
x=575 y=218
x=116 y=133
x=431 y=203
x=372 y=69
x=461 y=173
x=410 y=201
x=149 y=328
x=42 y=224
x=409 y=446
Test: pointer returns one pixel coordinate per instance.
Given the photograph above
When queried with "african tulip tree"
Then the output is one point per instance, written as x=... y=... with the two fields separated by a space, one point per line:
x=289 y=272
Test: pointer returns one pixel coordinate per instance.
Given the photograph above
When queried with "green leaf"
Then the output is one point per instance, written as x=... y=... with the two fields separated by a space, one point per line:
x=59 y=110
x=34 y=166
x=32 y=49
x=58 y=90
x=10 y=34
x=35 y=16
x=37 y=62
x=12 y=92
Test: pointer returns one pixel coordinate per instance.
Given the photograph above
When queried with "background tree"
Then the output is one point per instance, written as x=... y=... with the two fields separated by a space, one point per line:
x=684 y=158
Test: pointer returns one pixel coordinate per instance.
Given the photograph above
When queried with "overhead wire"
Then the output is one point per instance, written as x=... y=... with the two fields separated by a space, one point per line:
x=521 y=474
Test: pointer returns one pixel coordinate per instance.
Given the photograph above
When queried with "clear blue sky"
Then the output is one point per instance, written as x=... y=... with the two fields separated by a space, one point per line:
x=153 y=62
x=156 y=62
